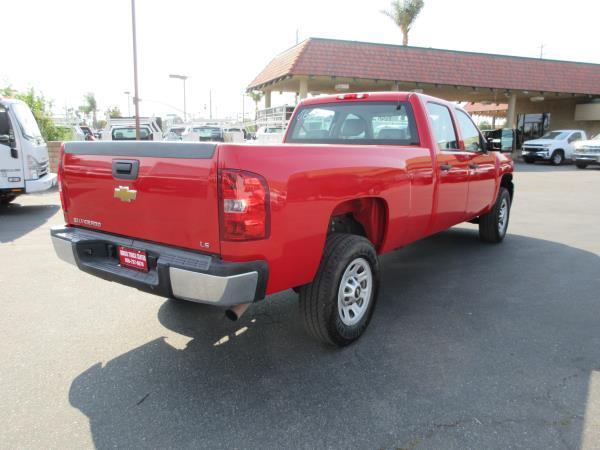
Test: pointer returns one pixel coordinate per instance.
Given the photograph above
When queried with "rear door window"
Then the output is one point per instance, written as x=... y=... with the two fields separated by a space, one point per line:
x=355 y=123
x=443 y=127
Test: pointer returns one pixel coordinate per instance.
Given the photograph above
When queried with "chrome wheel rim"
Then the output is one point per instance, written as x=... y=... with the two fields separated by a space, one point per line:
x=503 y=216
x=557 y=158
x=354 y=294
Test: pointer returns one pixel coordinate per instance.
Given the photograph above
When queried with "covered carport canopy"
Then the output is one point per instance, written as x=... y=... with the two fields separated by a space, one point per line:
x=327 y=66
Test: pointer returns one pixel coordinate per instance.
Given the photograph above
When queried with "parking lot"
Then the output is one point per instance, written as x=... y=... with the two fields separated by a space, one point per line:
x=471 y=346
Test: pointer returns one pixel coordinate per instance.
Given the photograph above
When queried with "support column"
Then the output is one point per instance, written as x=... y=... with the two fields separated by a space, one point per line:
x=267 y=99
x=511 y=114
x=303 y=88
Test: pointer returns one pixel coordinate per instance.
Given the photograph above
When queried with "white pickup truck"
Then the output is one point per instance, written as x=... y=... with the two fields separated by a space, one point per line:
x=24 y=161
x=587 y=153
x=555 y=146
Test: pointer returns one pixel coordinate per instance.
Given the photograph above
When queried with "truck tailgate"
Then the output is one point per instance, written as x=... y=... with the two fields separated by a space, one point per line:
x=169 y=195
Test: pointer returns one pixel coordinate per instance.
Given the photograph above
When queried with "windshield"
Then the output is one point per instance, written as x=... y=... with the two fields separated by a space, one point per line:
x=29 y=126
x=596 y=138
x=207 y=131
x=177 y=131
x=355 y=123
x=555 y=135
x=128 y=134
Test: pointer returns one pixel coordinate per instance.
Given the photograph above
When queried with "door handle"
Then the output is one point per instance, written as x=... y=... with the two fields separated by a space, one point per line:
x=445 y=167
x=125 y=169
x=473 y=166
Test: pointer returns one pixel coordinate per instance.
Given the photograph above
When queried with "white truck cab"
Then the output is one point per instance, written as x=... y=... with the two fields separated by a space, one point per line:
x=24 y=161
x=555 y=146
x=151 y=130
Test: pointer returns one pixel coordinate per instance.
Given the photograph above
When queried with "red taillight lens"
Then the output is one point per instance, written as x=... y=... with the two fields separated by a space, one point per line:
x=60 y=174
x=244 y=207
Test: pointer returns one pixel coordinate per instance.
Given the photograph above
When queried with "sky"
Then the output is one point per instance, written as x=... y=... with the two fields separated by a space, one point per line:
x=65 y=48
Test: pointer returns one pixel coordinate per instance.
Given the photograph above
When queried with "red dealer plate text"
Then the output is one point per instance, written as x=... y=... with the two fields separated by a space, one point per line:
x=133 y=258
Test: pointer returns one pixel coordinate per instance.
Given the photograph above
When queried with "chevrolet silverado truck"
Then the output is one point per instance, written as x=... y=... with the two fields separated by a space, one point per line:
x=555 y=147
x=358 y=175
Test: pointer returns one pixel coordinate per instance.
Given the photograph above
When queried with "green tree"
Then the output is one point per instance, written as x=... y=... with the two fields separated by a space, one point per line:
x=256 y=97
x=90 y=106
x=40 y=107
x=404 y=13
x=114 y=112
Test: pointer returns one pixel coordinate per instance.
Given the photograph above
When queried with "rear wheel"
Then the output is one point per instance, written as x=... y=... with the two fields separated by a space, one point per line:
x=558 y=157
x=493 y=225
x=337 y=306
x=580 y=165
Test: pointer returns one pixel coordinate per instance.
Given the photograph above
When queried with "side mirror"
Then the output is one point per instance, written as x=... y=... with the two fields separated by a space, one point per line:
x=507 y=141
x=4 y=139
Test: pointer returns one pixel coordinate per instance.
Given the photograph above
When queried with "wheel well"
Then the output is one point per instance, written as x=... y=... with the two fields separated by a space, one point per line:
x=364 y=217
x=507 y=183
x=559 y=150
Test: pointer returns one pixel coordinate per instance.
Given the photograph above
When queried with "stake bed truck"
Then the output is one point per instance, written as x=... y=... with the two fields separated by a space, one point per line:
x=358 y=175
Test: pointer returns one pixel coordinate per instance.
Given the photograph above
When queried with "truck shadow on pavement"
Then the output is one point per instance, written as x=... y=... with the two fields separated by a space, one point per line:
x=17 y=220
x=471 y=345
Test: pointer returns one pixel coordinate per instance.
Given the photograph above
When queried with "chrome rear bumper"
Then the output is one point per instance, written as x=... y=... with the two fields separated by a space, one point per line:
x=173 y=272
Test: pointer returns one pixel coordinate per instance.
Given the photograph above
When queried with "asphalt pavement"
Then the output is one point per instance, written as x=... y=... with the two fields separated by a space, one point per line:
x=471 y=346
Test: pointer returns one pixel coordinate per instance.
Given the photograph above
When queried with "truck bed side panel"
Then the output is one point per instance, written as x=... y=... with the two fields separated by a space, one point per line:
x=307 y=182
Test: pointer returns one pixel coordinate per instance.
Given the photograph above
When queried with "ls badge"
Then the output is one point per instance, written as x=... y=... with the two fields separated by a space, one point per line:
x=125 y=194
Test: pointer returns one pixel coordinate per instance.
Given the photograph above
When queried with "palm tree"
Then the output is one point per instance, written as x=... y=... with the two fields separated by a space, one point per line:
x=256 y=97
x=90 y=106
x=404 y=13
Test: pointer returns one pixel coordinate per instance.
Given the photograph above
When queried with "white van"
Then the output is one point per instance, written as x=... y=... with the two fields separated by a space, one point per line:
x=24 y=162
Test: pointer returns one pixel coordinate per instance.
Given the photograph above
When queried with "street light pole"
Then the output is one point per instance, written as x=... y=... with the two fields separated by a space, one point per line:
x=182 y=77
x=136 y=97
x=128 y=94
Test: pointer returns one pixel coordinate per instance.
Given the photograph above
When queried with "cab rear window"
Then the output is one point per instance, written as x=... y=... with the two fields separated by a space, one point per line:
x=355 y=123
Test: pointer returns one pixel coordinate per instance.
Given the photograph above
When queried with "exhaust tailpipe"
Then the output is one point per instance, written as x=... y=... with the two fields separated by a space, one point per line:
x=235 y=312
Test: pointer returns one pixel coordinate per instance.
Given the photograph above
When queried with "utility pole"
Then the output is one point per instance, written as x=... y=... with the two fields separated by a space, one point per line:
x=136 y=97
x=182 y=77
x=542 y=51
x=210 y=103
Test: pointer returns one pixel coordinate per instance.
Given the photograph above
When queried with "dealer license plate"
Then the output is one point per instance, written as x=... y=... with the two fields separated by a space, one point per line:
x=133 y=258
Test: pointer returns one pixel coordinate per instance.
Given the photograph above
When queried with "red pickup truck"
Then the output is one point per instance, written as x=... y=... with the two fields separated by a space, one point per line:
x=358 y=175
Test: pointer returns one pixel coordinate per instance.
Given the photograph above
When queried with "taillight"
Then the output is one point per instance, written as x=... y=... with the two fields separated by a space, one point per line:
x=60 y=174
x=244 y=208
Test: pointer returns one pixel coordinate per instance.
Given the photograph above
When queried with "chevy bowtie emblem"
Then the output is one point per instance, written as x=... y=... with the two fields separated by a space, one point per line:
x=125 y=194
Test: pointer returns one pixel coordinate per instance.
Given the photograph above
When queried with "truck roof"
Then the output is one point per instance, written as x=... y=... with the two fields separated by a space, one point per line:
x=392 y=96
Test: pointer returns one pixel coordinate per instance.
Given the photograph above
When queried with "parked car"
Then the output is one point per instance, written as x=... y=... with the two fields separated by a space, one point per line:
x=149 y=124
x=24 y=159
x=88 y=133
x=179 y=133
x=209 y=133
x=587 y=153
x=555 y=146
x=227 y=224
x=270 y=135
x=127 y=133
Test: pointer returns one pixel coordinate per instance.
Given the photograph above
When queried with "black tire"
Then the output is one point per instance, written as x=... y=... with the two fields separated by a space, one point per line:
x=557 y=158
x=319 y=299
x=529 y=160
x=580 y=165
x=7 y=200
x=489 y=224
